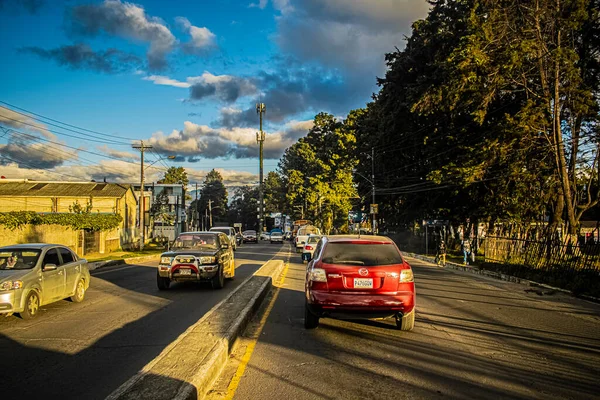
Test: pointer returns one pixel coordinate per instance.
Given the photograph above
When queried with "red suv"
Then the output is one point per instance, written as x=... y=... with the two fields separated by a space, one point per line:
x=353 y=277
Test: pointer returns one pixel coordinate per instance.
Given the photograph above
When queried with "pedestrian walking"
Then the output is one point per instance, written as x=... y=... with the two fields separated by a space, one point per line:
x=466 y=249
x=440 y=257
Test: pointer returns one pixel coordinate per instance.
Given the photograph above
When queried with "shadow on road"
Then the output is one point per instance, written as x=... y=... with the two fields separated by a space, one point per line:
x=454 y=351
x=147 y=321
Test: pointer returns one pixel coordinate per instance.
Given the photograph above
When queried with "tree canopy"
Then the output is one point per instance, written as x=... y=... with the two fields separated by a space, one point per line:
x=175 y=175
x=213 y=190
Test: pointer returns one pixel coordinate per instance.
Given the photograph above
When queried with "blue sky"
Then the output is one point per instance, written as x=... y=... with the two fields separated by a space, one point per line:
x=183 y=76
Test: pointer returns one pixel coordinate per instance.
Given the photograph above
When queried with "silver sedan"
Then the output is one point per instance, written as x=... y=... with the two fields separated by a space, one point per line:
x=32 y=275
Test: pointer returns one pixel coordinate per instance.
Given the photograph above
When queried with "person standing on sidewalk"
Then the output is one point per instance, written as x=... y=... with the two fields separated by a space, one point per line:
x=440 y=257
x=466 y=249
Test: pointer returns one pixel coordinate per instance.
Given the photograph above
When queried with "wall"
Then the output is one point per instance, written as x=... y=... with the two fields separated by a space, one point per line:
x=38 y=204
x=42 y=234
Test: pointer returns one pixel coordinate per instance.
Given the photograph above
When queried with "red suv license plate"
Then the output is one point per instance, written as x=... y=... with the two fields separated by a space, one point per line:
x=363 y=283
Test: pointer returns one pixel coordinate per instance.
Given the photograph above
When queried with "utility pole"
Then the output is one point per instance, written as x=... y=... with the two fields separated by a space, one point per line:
x=197 y=217
x=176 y=227
x=260 y=138
x=210 y=211
x=141 y=147
x=373 y=187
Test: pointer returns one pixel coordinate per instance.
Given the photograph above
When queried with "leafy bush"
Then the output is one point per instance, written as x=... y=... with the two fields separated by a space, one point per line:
x=90 y=222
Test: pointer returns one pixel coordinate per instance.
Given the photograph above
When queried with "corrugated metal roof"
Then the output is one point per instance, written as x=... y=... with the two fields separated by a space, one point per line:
x=62 y=189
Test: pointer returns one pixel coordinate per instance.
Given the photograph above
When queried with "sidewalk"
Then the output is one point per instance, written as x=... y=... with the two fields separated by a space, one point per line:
x=475 y=269
x=96 y=261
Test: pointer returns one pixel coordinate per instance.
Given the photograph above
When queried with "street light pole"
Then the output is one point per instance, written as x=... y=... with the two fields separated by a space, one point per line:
x=260 y=138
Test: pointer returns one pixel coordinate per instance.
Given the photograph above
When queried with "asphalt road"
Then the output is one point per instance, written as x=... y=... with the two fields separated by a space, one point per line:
x=475 y=338
x=87 y=350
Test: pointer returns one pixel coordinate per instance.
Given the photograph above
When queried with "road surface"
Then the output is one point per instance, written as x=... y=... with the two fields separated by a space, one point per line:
x=475 y=338
x=87 y=350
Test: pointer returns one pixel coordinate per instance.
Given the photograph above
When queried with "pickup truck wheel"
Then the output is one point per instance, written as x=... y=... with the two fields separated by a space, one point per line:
x=162 y=283
x=219 y=280
x=79 y=292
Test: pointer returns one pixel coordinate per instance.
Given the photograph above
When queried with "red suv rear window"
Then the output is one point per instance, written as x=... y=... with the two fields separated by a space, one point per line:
x=367 y=254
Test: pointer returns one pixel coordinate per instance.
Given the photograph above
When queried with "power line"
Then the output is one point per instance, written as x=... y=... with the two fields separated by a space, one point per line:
x=12 y=131
x=87 y=138
x=63 y=123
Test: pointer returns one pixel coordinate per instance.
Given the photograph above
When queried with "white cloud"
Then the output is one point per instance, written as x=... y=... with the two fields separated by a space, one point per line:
x=125 y=155
x=226 y=88
x=33 y=155
x=15 y=120
x=129 y=21
x=119 y=172
x=197 y=142
x=202 y=39
x=166 y=81
x=261 y=4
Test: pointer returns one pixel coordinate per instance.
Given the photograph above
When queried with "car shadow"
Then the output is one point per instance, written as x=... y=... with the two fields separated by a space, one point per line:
x=87 y=350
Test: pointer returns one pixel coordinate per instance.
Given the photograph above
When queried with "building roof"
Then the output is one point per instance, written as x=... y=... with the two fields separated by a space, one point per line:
x=62 y=189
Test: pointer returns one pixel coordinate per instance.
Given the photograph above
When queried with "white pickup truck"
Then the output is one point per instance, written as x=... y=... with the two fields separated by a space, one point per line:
x=302 y=235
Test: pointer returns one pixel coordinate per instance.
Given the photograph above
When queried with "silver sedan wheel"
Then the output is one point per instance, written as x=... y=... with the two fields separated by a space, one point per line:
x=79 y=292
x=33 y=305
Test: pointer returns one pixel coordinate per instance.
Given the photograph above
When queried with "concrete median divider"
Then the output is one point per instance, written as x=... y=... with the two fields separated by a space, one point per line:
x=189 y=366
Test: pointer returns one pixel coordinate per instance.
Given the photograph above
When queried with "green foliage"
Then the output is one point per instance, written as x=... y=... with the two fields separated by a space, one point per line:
x=317 y=172
x=243 y=207
x=274 y=193
x=464 y=126
x=160 y=209
x=77 y=208
x=215 y=191
x=175 y=175
x=91 y=222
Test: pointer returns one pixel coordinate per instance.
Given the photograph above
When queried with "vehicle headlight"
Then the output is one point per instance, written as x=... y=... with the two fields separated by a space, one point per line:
x=166 y=260
x=406 y=275
x=317 y=275
x=10 y=285
x=207 y=260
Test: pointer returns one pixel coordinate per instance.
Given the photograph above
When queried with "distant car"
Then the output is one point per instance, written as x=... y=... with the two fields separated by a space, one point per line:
x=265 y=236
x=249 y=236
x=310 y=246
x=276 y=236
x=354 y=277
x=33 y=275
x=197 y=257
x=229 y=231
x=302 y=235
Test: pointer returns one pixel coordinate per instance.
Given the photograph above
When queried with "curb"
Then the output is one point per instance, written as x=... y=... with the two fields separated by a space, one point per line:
x=189 y=366
x=121 y=261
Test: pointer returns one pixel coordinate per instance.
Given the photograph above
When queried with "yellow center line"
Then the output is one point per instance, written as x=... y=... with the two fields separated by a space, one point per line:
x=235 y=382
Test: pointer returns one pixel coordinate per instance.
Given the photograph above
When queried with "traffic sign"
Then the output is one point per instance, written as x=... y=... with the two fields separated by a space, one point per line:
x=374 y=208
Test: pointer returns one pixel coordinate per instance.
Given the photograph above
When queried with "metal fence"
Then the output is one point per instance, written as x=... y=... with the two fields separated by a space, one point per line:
x=543 y=255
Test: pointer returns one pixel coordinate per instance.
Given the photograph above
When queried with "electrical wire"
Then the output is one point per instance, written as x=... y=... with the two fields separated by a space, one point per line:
x=87 y=138
x=59 y=122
